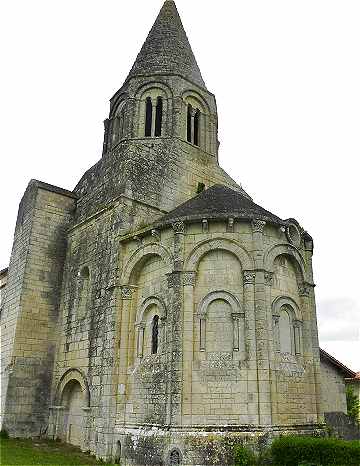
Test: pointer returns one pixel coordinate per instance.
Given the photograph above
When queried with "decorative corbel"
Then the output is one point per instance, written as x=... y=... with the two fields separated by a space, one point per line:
x=258 y=226
x=230 y=225
x=205 y=225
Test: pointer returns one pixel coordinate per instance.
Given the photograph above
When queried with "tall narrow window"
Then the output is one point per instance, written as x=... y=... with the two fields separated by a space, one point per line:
x=158 y=117
x=196 y=127
x=115 y=130
x=155 y=335
x=148 y=117
x=189 y=121
x=175 y=459
x=285 y=331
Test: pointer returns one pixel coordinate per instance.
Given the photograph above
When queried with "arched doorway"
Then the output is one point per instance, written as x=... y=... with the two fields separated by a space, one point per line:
x=73 y=402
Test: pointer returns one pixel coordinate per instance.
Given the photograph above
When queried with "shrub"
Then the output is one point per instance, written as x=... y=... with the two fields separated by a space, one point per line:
x=353 y=404
x=244 y=457
x=294 y=451
x=4 y=434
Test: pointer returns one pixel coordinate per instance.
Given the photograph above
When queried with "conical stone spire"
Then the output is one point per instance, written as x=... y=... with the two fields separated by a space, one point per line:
x=167 y=49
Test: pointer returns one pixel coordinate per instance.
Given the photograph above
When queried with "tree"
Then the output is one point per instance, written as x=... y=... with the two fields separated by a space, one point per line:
x=353 y=405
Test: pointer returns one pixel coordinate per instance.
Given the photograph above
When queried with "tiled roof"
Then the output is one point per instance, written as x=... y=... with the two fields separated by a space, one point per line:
x=167 y=49
x=218 y=202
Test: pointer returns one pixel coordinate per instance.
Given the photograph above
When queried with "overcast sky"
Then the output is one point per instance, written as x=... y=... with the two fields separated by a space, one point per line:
x=286 y=75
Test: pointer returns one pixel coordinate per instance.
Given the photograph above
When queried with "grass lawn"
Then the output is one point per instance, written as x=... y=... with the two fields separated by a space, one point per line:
x=42 y=452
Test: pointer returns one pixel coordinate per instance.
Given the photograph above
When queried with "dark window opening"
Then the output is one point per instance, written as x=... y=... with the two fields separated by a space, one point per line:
x=155 y=335
x=196 y=127
x=175 y=459
x=118 y=452
x=158 y=117
x=200 y=188
x=189 y=123
x=148 y=117
x=85 y=273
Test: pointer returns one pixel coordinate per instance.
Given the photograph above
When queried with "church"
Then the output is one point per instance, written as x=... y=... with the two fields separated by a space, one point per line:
x=156 y=315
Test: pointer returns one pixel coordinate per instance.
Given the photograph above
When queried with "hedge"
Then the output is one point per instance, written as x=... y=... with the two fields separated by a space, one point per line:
x=294 y=451
x=244 y=457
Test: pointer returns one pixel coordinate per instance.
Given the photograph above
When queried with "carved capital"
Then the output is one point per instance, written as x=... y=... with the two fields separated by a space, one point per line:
x=188 y=278
x=304 y=289
x=258 y=226
x=126 y=292
x=297 y=323
x=276 y=319
x=179 y=227
x=269 y=278
x=236 y=316
x=249 y=277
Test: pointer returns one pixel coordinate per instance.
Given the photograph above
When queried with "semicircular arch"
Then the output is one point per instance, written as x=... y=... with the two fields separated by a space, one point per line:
x=221 y=295
x=140 y=255
x=285 y=250
x=225 y=244
x=73 y=375
x=153 y=85
x=151 y=301
x=281 y=301
x=118 y=104
x=191 y=96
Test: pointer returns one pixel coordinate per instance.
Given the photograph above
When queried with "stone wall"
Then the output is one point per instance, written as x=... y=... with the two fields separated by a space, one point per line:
x=3 y=281
x=221 y=363
x=333 y=390
x=162 y=172
x=31 y=307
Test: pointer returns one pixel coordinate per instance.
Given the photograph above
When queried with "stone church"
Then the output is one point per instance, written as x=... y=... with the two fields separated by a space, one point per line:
x=156 y=315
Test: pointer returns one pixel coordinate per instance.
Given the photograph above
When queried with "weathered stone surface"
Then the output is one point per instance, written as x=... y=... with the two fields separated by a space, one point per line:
x=142 y=337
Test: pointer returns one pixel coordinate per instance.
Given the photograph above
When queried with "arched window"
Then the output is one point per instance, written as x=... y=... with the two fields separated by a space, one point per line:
x=155 y=335
x=117 y=457
x=287 y=326
x=189 y=123
x=196 y=127
x=193 y=125
x=148 y=117
x=285 y=329
x=158 y=116
x=117 y=124
x=175 y=459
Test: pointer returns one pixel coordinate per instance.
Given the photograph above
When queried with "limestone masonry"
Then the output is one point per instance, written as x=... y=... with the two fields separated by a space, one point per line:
x=156 y=315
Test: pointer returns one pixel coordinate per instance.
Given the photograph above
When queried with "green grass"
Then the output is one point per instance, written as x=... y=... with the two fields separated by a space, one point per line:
x=42 y=452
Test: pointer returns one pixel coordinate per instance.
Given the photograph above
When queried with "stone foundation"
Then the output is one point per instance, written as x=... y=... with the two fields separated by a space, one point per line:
x=196 y=446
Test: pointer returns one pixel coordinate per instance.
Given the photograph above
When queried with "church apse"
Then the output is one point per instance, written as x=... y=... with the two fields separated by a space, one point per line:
x=171 y=314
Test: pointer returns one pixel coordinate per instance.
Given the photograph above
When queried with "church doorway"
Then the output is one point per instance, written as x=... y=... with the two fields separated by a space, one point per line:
x=73 y=403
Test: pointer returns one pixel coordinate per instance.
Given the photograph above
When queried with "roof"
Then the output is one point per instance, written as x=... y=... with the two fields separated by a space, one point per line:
x=167 y=49
x=348 y=373
x=219 y=201
x=4 y=271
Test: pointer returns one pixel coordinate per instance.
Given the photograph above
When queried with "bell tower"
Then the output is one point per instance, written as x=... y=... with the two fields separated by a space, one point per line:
x=164 y=95
x=161 y=136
